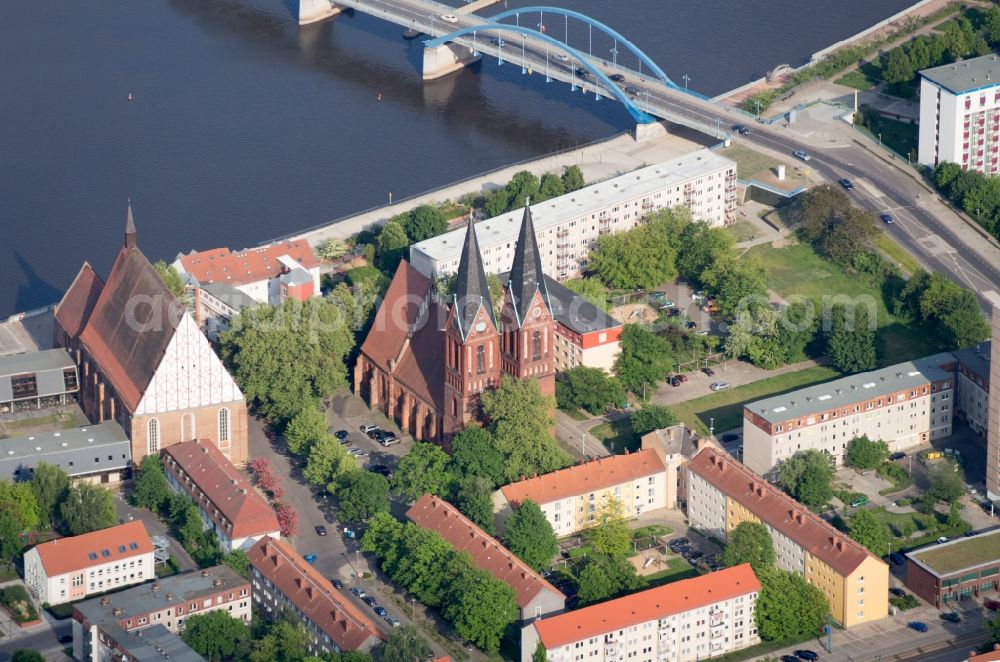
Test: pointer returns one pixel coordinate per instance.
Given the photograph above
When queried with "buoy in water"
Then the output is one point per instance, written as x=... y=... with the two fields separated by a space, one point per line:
x=379 y=96
x=129 y=96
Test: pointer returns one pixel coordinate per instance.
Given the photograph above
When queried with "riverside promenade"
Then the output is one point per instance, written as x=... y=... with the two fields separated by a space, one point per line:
x=597 y=161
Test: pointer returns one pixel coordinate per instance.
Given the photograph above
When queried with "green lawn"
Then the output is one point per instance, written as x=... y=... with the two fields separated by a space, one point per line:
x=575 y=414
x=896 y=253
x=857 y=80
x=726 y=407
x=931 y=526
x=676 y=570
x=617 y=435
x=743 y=230
x=799 y=270
x=748 y=162
x=901 y=136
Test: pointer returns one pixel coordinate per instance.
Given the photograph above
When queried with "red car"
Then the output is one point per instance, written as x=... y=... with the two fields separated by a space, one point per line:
x=992 y=605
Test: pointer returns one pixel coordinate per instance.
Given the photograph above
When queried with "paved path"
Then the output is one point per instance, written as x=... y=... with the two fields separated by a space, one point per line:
x=736 y=373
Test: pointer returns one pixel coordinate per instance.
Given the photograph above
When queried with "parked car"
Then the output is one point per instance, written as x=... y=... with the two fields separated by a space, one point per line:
x=703 y=332
x=731 y=436
x=691 y=325
x=357 y=452
x=806 y=654
x=846 y=183
x=389 y=440
x=340 y=434
x=381 y=611
x=381 y=469
x=942 y=539
x=374 y=433
x=801 y=154
x=887 y=219
x=898 y=592
x=337 y=584
x=320 y=530
x=368 y=427
x=310 y=558
x=951 y=617
x=897 y=558
x=392 y=620
x=719 y=386
x=919 y=626
x=789 y=658
x=992 y=605
x=898 y=455
x=708 y=371
x=370 y=601
x=360 y=592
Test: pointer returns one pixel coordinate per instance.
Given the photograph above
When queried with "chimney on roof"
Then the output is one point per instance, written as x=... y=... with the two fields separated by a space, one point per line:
x=217 y=582
x=156 y=586
x=840 y=545
x=798 y=518
x=204 y=573
x=117 y=611
x=105 y=601
x=170 y=596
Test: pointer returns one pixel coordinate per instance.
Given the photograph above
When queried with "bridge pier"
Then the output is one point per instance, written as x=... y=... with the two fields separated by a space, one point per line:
x=447 y=58
x=649 y=131
x=313 y=11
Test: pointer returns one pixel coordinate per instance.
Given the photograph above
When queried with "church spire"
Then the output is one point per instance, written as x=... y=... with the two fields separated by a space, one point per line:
x=129 y=227
x=471 y=287
x=526 y=276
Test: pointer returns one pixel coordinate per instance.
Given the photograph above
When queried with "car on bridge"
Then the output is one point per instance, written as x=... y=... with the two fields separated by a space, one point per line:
x=498 y=42
x=583 y=73
x=449 y=18
x=632 y=91
x=801 y=154
x=562 y=57
x=618 y=78
x=741 y=129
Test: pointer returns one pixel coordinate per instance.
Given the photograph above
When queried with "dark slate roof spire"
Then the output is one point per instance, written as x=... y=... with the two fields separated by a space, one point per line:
x=526 y=275
x=129 y=227
x=471 y=287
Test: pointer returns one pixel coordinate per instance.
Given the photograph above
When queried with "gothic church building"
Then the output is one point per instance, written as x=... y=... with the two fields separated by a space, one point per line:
x=426 y=361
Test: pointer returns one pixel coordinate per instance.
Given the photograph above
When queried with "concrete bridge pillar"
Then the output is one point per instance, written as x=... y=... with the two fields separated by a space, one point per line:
x=649 y=131
x=445 y=59
x=312 y=11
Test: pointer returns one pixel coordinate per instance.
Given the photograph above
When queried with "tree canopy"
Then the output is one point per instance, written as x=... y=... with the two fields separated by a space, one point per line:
x=474 y=498
x=788 y=606
x=424 y=470
x=361 y=494
x=327 y=460
x=50 y=484
x=949 y=308
x=404 y=644
x=216 y=636
x=305 y=428
x=604 y=576
x=868 y=530
x=392 y=245
x=19 y=499
x=590 y=289
x=865 y=453
x=947 y=481
x=424 y=222
x=473 y=454
x=584 y=387
x=807 y=476
x=652 y=417
x=644 y=358
x=149 y=488
x=611 y=535
x=851 y=339
x=529 y=536
x=87 y=508
x=749 y=542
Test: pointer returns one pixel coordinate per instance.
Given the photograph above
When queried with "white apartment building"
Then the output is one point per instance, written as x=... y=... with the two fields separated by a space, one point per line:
x=675 y=446
x=905 y=405
x=568 y=226
x=972 y=383
x=692 y=619
x=573 y=499
x=67 y=569
x=960 y=114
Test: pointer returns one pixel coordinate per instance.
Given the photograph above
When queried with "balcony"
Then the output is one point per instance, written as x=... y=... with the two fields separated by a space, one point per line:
x=717 y=632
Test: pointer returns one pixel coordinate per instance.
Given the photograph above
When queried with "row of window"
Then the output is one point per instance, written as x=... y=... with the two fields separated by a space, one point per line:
x=153 y=431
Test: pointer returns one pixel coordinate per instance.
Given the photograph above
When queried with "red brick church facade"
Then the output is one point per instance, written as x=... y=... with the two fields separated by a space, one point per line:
x=425 y=362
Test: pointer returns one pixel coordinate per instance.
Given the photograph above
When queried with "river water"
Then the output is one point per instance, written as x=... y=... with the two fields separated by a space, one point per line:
x=242 y=126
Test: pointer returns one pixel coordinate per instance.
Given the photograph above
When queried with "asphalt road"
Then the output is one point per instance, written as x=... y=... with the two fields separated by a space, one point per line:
x=45 y=640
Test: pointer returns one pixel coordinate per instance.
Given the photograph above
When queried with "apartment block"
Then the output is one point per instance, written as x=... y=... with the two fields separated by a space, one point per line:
x=724 y=493
x=585 y=335
x=282 y=580
x=993 y=431
x=536 y=597
x=68 y=569
x=675 y=446
x=972 y=385
x=568 y=226
x=960 y=114
x=228 y=503
x=691 y=619
x=957 y=569
x=574 y=498
x=905 y=405
x=100 y=625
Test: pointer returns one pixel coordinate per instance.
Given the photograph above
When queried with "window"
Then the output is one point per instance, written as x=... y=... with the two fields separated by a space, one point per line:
x=480 y=360
x=536 y=345
x=24 y=386
x=69 y=379
x=153 y=436
x=223 y=424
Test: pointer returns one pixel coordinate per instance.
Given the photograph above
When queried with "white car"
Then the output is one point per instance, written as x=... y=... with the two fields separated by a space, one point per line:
x=719 y=386
x=562 y=57
x=449 y=18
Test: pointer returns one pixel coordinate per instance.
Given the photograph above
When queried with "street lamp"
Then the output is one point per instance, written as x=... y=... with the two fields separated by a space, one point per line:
x=758 y=108
x=880 y=141
x=390 y=197
x=686 y=79
x=614 y=56
x=583 y=449
x=711 y=425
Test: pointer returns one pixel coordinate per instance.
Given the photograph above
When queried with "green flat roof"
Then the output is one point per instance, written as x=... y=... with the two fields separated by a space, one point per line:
x=959 y=554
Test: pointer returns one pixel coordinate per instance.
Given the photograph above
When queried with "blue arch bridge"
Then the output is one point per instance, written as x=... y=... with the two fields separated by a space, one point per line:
x=537 y=39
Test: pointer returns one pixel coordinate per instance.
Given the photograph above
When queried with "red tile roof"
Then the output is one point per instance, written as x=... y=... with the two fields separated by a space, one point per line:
x=131 y=325
x=223 y=486
x=96 y=548
x=599 y=474
x=408 y=334
x=220 y=265
x=314 y=596
x=992 y=656
x=75 y=307
x=674 y=598
x=486 y=551
x=780 y=511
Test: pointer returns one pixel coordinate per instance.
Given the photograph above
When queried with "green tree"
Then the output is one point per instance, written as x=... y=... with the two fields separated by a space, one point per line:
x=702 y=247
x=286 y=640
x=756 y=336
x=306 y=428
x=473 y=454
x=216 y=635
x=518 y=420
x=963 y=322
x=49 y=484
x=993 y=25
x=644 y=358
x=588 y=388
x=392 y=245
x=327 y=460
x=361 y=494
x=404 y=644
x=481 y=607
x=851 y=339
x=749 y=542
x=149 y=488
x=864 y=453
x=603 y=576
x=641 y=257
x=87 y=508
x=797 y=327
x=947 y=482
x=866 y=528
x=424 y=470
x=611 y=535
x=26 y=655
x=572 y=179
x=550 y=186
x=590 y=289
x=807 y=476
x=594 y=584
x=238 y=562
x=173 y=281
x=788 y=606
x=330 y=249
x=540 y=654
x=522 y=185
x=19 y=498
x=286 y=358
x=425 y=221
x=530 y=536
x=652 y=417
x=898 y=68
x=736 y=284
x=10 y=536
x=475 y=499
x=954 y=515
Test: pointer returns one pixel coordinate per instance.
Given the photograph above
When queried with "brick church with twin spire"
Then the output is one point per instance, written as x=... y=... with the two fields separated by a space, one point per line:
x=426 y=361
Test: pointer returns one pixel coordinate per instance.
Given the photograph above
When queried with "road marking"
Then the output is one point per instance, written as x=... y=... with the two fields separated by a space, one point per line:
x=935 y=245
